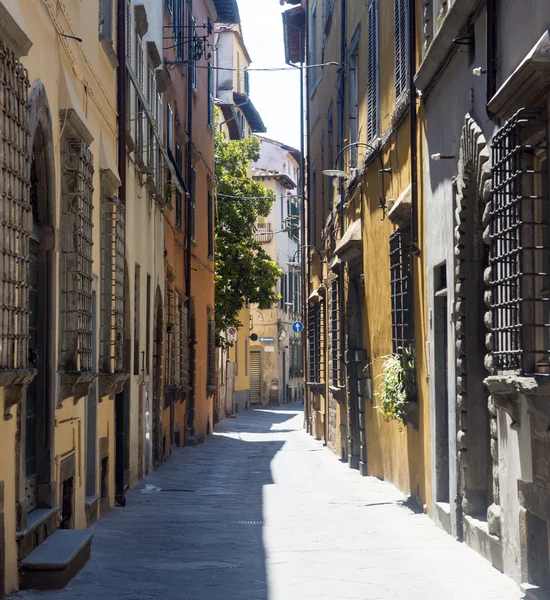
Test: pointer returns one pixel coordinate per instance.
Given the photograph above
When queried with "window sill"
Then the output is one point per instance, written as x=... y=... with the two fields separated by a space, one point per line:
x=107 y=45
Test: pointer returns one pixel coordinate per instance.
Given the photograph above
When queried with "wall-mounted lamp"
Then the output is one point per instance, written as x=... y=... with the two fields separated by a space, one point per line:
x=439 y=156
x=340 y=174
x=479 y=71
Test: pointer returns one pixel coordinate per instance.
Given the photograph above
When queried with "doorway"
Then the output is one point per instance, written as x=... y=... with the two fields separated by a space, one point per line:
x=157 y=382
x=255 y=377
x=38 y=416
x=441 y=347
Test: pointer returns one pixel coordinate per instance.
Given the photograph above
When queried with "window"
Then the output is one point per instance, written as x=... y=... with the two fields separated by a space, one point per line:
x=313 y=47
x=139 y=130
x=243 y=127
x=400 y=41
x=401 y=290
x=16 y=221
x=210 y=96
x=354 y=98
x=520 y=244
x=193 y=62
x=169 y=129
x=76 y=256
x=330 y=137
x=178 y=27
x=106 y=19
x=372 y=72
x=210 y=225
x=192 y=199
x=129 y=19
x=179 y=195
x=246 y=358
x=336 y=335
x=137 y=286
x=246 y=82
x=316 y=340
x=313 y=207
x=111 y=359
x=139 y=61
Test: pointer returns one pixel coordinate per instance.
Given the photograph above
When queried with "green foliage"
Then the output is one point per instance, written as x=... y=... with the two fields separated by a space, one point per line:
x=244 y=271
x=398 y=386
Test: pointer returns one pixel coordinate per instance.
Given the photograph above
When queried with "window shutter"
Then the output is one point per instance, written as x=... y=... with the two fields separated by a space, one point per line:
x=372 y=71
x=129 y=18
x=193 y=224
x=210 y=95
x=400 y=40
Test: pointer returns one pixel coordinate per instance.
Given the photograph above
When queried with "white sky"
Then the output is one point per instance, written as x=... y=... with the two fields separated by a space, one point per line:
x=276 y=95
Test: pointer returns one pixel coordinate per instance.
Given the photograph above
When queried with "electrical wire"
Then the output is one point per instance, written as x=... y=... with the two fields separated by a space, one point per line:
x=259 y=69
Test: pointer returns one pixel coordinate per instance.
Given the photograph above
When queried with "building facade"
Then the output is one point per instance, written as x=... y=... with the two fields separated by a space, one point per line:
x=365 y=277
x=276 y=350
x=486 y=187
x=106 y=340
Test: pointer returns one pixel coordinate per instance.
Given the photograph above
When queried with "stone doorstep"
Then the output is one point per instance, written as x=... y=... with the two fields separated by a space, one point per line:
x=477 y=536
x=56 y=561
x=194 y=440
x=533 y=592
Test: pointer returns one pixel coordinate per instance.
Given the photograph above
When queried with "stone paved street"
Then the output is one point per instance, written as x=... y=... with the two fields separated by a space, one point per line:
x=263 y=511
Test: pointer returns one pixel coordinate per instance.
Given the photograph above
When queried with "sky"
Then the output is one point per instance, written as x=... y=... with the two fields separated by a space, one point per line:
x=276 y=95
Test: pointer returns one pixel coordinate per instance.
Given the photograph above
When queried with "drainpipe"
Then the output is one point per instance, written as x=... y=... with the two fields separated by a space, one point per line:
x=121 y=97
x=120 y=417
x=306 y=174
x=413 y=123
x=189 y=244
x=491 y=51
x=343 y=46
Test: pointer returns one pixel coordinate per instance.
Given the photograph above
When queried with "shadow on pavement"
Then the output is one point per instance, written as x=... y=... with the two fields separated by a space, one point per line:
x=193 y=528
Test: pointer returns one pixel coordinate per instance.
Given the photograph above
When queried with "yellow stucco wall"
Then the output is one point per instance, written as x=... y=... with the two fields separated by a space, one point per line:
x=240 y=350
x=402 y=457
x=62 y=65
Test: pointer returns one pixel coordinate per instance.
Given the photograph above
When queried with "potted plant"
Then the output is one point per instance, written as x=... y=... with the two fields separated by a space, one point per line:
x=169 y=327
x=398 y=390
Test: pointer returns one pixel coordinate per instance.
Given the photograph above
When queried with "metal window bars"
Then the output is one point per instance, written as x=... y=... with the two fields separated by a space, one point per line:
x=316 y=339
x=337 y=364
x=111 y=358
x=519 y=245
x=15 y=212
x=76 y=257
x=401 y=290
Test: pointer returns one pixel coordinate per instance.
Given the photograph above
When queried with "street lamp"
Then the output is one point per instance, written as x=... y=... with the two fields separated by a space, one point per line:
x=340 y=174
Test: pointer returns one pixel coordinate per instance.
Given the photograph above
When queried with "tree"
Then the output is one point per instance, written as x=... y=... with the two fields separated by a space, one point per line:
x=244 y=271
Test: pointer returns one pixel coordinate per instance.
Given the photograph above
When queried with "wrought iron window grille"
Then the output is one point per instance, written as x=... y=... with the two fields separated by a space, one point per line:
x=111 y=359
x=76 y=259
x=316 y=338
x=401 y=290
x=520 y=246
x=198 y=42
x=336 y=355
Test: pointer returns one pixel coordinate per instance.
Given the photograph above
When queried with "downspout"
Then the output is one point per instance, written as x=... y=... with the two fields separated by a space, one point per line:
x=343 y=45
x=303 y=241
x=189 y=244
x=413 y=125
x=121 y=150
x=306 y=242
x=121 y=97
x=491 y=52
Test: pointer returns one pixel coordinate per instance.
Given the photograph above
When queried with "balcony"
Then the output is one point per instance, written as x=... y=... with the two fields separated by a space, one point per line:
x=264 y=233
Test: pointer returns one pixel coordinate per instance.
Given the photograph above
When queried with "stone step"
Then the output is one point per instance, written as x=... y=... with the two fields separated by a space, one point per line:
x=194 y=440
x=56 y=561
x=533 y=592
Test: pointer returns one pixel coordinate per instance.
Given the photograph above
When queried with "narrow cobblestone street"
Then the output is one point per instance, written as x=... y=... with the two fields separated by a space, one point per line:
x=263 y=511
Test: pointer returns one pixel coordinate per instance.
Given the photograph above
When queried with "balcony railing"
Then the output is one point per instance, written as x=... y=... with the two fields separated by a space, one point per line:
x=263 y=234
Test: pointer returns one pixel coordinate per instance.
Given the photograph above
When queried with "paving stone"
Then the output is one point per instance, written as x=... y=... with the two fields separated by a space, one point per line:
x=261 y=511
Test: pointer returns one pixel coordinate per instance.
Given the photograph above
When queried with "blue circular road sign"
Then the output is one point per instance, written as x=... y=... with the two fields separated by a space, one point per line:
x=297 y=326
